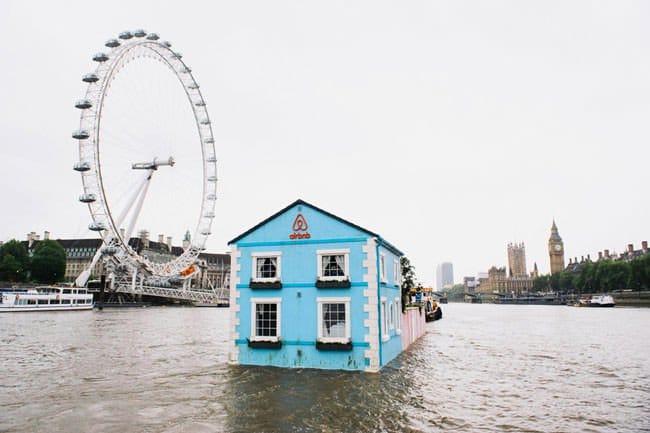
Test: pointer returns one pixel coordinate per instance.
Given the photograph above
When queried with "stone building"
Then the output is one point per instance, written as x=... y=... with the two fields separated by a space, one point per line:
x=517 y=259
x=214 y=268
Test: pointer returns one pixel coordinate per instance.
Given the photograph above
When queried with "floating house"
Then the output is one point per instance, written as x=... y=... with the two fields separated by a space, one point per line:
x=312 y=290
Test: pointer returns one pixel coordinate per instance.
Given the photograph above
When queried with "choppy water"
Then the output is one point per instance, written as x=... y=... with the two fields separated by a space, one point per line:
x=483 y=368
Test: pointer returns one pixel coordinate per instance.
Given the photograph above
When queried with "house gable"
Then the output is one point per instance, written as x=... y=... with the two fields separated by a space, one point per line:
x=301 y=222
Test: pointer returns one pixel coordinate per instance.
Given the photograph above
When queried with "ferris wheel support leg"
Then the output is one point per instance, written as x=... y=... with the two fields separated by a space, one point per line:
x=140 y=202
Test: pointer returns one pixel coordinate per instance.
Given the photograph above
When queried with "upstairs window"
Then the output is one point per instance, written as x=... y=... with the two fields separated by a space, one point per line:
x=382 y=267
x=266 y=267
x=333 y=265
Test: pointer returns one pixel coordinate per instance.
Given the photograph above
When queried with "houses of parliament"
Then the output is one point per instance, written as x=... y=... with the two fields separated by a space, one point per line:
x=516 y=280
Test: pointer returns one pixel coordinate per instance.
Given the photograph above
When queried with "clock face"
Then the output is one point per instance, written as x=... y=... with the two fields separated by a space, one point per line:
x=557 y=248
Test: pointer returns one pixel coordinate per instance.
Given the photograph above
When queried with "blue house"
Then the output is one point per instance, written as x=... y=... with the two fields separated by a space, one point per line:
x=309 y=289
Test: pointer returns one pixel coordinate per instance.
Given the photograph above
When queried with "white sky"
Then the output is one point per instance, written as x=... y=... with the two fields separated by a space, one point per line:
x=450 y=128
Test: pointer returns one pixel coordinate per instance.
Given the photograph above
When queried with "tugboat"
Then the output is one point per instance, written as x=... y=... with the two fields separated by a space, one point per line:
x=432 y=310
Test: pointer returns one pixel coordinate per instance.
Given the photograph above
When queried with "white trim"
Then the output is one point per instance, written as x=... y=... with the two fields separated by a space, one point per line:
x=382 y=267
x=333 y=300
x=397 y=270
x=262 y=254
x=384 y=319
x=256 y=301
x=370 y=308
x=398 y=316
x=235 y=266
x=345 y=252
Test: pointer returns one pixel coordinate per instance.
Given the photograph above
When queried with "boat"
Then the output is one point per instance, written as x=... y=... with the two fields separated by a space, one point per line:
x=46 y=298
x=432 y=310
x=597 y=301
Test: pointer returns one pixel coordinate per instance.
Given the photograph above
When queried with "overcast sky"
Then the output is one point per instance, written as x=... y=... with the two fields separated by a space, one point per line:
x=450 y=128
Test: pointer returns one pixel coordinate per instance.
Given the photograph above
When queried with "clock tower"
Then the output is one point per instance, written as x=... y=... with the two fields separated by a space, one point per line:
x=556 y=250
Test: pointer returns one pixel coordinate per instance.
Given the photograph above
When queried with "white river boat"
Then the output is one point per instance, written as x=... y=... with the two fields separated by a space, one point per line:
x=47 y=298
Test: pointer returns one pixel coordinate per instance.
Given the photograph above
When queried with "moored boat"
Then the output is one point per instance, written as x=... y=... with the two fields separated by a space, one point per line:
x=47 y=298
x=597 y=301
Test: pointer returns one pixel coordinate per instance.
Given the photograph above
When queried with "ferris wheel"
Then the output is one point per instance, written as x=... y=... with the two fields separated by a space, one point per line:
x=125 y=152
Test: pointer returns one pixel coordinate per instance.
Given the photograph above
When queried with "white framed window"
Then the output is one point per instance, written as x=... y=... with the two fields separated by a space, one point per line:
x=382 y=267
x=384 y=320
x=398 y=316
x=333 y=265
x=397 y=272
x=391 y=315
x=265 y=319
x=334 y=320
x=267 y=267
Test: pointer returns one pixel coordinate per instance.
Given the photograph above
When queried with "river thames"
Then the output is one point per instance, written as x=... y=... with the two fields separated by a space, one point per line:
x=482 y=368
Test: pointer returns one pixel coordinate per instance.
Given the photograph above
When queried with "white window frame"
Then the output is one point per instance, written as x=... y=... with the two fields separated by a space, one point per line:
x=254 y=303
x=397 y=270
x=391 y=315
x=382 y=267
x=398 y=316
x=333 y=300
x=384 y=319
x=261 y=255
x=319 y=265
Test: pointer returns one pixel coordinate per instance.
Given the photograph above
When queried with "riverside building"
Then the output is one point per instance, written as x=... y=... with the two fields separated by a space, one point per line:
x=310 y=289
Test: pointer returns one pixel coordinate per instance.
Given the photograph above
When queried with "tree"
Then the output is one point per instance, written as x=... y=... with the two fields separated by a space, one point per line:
x=408 y=279
x=541 y=283
x=48 y=262
x=567 y=280
x=14 y=261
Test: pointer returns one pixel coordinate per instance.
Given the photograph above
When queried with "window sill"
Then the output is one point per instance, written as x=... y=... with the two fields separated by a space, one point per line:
x=385 y=338
x=265 y=284
x=264 y=344
x=321 y=345
x=333 y=284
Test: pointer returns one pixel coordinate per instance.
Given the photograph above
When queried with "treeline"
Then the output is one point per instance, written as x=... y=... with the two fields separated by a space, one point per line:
x=601 y=276
x=45 y=264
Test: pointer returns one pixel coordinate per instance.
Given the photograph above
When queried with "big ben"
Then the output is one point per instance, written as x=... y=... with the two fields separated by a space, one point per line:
x=556 y=250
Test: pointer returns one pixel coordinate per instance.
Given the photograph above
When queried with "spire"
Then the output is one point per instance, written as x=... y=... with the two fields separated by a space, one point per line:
x=555 y=235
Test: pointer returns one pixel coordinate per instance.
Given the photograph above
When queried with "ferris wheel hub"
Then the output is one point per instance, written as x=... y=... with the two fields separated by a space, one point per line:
x=153 y=165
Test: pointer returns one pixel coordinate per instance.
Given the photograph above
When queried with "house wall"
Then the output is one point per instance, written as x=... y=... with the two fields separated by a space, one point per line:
x=413 y=327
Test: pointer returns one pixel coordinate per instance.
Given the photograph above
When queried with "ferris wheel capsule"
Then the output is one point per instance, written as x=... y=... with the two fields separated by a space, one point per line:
x=82 y=166
x=97 y=226
x=153 y=36
x=90 y=78
x=112 y=43
x=83 y=104
x=167 y=44
x=109 y=250
x=126 y=35
x=209 y=140
x=177 y=55
x=193 y=86
x=81 y=134
x=87 y=198
x=212 y=178
x=139 y=33
x=100 y=57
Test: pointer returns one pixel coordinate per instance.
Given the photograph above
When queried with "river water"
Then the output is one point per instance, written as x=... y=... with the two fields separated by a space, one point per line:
x=482 y=368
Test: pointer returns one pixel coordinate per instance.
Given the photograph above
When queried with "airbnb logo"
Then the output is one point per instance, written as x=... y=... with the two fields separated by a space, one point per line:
x=300 y=225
